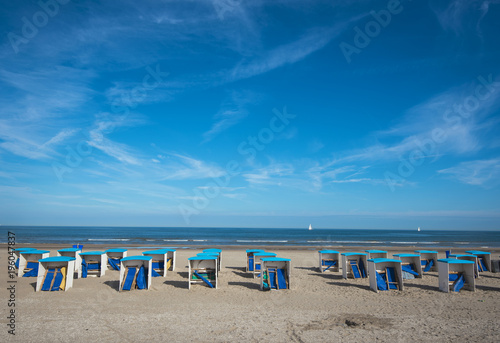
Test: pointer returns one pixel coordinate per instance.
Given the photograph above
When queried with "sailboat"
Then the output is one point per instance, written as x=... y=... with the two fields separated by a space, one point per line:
x=418 y=229
x=310 y=227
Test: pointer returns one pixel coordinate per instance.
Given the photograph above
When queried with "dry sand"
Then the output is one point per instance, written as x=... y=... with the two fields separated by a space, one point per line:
x=318 y=307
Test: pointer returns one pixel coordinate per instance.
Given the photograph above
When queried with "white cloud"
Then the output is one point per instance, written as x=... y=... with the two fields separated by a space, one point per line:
x=189 y=168
x=476 y=173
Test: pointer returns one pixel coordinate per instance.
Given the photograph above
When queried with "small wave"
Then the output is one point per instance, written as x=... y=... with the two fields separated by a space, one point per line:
x=109 y=239
x=176 y=240
x=405 y=242
x=200 y=240
x=258 y=241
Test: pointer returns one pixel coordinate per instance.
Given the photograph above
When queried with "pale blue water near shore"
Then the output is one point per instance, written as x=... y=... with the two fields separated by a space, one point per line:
x=178 y=237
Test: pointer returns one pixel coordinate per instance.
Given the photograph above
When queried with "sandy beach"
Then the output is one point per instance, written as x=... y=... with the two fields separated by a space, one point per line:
x=318 y=307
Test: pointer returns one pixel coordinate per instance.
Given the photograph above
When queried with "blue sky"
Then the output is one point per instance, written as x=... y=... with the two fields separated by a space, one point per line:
x=343 y=114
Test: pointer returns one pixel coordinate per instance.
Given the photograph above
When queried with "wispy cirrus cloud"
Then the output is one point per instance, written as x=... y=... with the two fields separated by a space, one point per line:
x=484 y=173
x=233 y=110
x=462 y=16
x=188 y=168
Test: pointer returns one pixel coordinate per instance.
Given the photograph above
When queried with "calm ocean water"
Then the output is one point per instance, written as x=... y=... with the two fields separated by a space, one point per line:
x=148 y=236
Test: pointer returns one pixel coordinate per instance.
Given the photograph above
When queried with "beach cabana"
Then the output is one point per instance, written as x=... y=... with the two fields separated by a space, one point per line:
x=135 y=272
x=410 y=263
x=93 y=262
x=354 y=265
x=275 y=273
x=373 y=254
x=385 y=274
x=455 y=274
x=18 y=251
x=55 y=273
x=467 y=257
x=217 y=251
x=250 y=253
x=28 y=262
x=428 y=260
x=75 y=253
x=114 y=257
x=203 y=269
x=257 y=257
x=210 y=254
x=483 y=260
x=160 y=263
x=329 y=260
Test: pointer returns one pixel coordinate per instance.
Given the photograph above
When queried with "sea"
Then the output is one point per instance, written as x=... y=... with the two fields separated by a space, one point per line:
x=193 y=236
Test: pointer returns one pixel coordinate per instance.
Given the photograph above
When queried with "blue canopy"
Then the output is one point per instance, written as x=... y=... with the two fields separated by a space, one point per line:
x=200 y=258
x=454 y=260
x=353 y=253
x=478 y=252
x=270 y=254
x=136 y=258
x=35 y=251
x=212 y=250
x=92 y=253
x=23 y=249
x=157 y=251
x=426 y=251
x=254 y=250
x=57 y=259
x=328 y=252
x=407 y=255
x=275 y=259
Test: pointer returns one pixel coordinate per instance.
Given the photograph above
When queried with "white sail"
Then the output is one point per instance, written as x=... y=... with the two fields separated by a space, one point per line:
x=310 y=227
x=418 y=229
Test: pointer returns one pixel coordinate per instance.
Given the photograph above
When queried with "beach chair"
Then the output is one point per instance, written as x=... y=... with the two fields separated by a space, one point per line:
x=411 y=265
x=202 y=270
x=455 y=274
x=385 y=274
x=257 y=257
x=483 y=260
x=161 y=262
x=354 y=265
x=250 y=253
x=93 y=263
x=329 y=260
x=428 y=260
x=275 y=273
x=114 y=257
x=55 y=273
x=28 y=262
x=217 y=251
x=135 y=273
x=17 y=252
x=75 y=253
x=372 y=254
